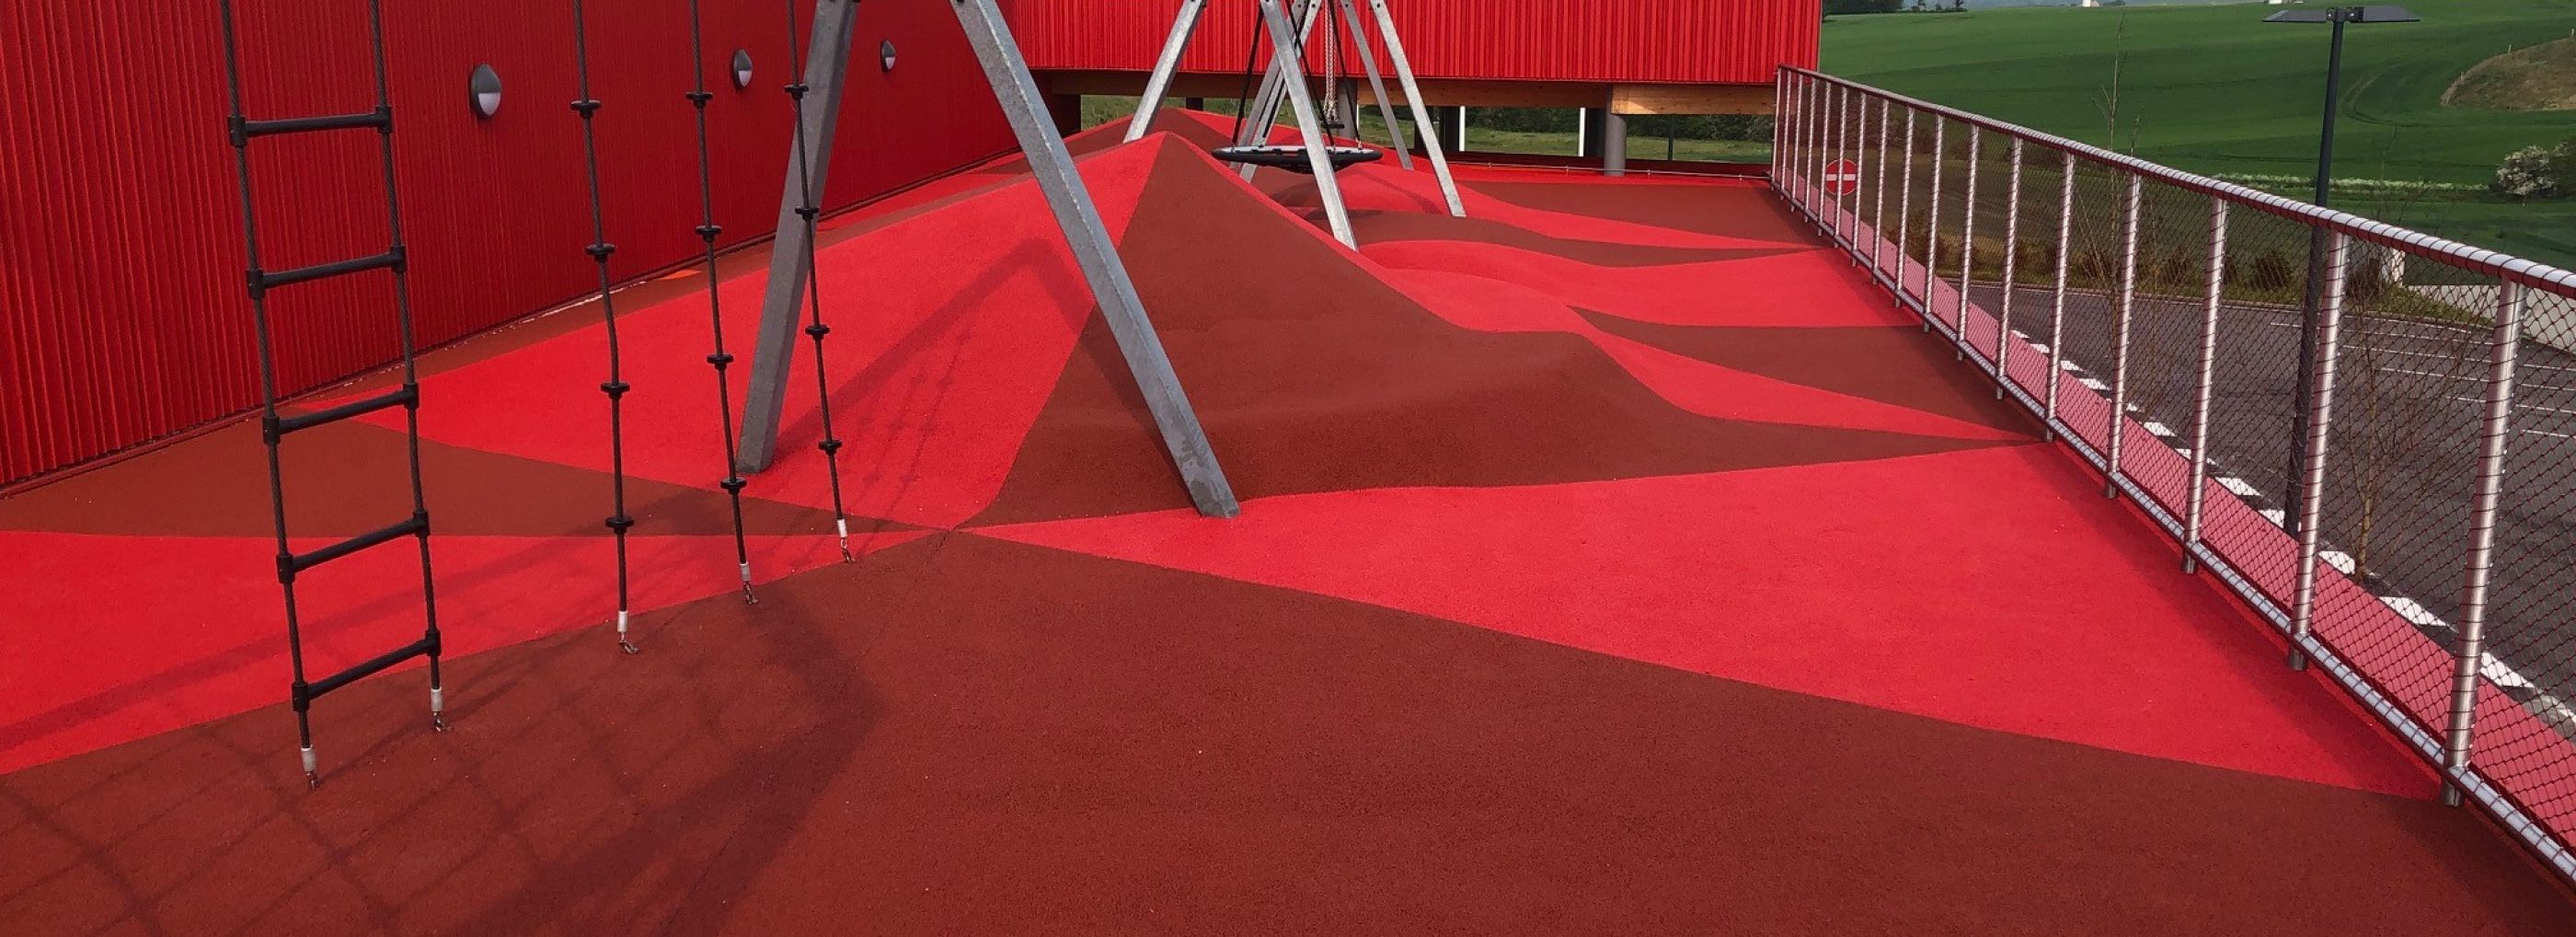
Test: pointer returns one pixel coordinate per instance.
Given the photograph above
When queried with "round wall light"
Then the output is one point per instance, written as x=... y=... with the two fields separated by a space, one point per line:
x=741 y=69
x=885 y=54
x=484 y=88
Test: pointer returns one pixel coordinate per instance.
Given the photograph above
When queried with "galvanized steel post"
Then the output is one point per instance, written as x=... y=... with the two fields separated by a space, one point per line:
x=2119 y=429
x=2469 y=657
x=2012 y=269
x=2312 y=469
x=2057 y=300
x=1878 y=191
x=1968 y=237
x=2207 y=386
x=1932 y=226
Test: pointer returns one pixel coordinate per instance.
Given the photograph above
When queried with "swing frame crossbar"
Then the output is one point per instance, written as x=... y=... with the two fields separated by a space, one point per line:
x=1285 y=77
x=275 y=426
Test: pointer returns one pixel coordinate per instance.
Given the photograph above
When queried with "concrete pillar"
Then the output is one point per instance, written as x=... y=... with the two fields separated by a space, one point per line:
x=1614 y=143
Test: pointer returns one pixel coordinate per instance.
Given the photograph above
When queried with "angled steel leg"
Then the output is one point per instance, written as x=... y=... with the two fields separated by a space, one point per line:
x=1070 y=200
x=1264 y=108
x=1377 y=86
x=1183 y=26
x=1403 y=66
x=1318 y=157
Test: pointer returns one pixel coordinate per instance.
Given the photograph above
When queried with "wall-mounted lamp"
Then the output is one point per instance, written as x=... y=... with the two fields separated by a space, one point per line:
x=741 y=69
x=885 y=54
x=485 y=91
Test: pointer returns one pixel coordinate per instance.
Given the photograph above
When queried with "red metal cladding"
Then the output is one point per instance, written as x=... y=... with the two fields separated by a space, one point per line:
x=122 y=311
x=1682 y=41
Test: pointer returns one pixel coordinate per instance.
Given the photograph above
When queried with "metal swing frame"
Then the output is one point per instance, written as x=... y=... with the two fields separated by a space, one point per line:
x=1286 y=77
x=1094 y=251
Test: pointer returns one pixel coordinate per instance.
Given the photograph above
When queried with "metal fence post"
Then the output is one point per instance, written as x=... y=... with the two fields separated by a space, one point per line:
x=1968 y=237
x=2012 y=268
x=1834 y=149
x=2470 y=656
x=2120 y=337
x=2207 y=385
x=1779 y=120
x=1904 y=212
x=2057 y=301
x=2312 y=470
x=1855 y=108
x=1878 y=191
x=1932 y=225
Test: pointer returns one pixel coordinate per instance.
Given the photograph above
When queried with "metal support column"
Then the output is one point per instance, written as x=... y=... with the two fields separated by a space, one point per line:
x=2119 y=422
x=1301 y=100
x=1614 y=140
x=1184 y=25
x=826 y=62
x=1377 y=87
x=2320 y=425
x=1264 y=109
x=1094 y=251
x=1403 y=66
x=2207 y=384
x=2469 y=657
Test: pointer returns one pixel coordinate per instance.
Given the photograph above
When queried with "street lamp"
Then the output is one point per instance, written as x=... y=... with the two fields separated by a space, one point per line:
x=2336 y=16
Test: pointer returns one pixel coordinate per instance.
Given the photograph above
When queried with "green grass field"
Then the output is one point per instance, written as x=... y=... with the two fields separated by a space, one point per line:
x=2212 y=89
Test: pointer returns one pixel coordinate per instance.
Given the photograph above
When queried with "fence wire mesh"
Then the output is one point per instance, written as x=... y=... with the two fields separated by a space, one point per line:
x=2182 y=331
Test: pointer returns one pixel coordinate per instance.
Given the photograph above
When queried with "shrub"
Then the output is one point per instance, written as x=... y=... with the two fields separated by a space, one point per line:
x=2274 y=270
x=2532 y=172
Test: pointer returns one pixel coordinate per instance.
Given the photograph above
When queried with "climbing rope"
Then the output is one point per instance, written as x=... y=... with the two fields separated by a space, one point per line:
x=806 y=209
x=708 y=231
x=600 y=250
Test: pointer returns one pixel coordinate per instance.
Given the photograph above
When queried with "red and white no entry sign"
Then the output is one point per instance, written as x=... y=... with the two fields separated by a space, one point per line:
x=1842 y=177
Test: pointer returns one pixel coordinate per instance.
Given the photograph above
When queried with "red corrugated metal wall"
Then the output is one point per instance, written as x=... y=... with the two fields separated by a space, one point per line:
x=122 y=314
x=1729 y=41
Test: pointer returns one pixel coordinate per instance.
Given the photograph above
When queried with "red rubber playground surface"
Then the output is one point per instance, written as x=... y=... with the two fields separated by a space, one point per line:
x=1615 y=560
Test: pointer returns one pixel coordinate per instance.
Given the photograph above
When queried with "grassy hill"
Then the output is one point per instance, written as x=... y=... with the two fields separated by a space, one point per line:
x=2213 y=89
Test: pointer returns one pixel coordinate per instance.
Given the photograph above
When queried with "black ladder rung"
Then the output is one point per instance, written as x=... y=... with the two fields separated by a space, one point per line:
x=408 y=395
x=418 y=524
x=263 y=280
x=370 y=668
x=246 y=129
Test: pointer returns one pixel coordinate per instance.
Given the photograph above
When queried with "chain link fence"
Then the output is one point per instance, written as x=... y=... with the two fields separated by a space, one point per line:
x=2369 y=434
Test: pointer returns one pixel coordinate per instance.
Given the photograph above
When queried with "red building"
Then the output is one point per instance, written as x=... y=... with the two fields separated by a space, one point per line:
x=120 y=245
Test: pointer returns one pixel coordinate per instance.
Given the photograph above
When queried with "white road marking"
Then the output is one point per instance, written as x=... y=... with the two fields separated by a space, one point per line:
x=2094 y=384
x=2160 y=429
x=2237 y=486
x=2341 y=561
x=2274 y=515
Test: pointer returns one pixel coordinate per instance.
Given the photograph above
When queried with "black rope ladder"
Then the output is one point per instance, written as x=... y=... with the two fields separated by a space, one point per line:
x=274 y=428
x=708 y=231
x=805 y=209
x=600 y=250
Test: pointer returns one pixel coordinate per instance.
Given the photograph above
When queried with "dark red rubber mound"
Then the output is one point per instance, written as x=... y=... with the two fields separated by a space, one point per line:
x=962 y=736
x=1752 y=213
x=1311 y=374
x=1889 y=365
x=1380 y=227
